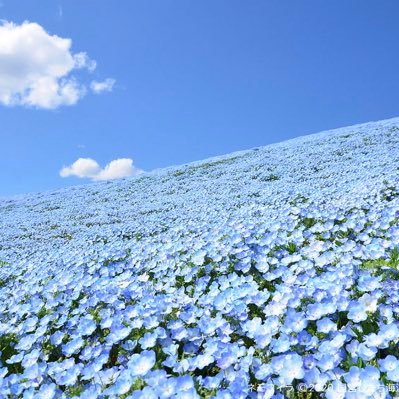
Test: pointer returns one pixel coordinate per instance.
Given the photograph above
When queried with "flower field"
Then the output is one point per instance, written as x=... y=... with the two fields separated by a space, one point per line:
x=267 y=273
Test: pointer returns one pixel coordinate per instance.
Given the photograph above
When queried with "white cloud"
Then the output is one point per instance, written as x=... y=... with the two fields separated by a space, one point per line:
x=89 y=168
x=82 y=60
x=83 y=167
x=105 y=85
x=36 y=67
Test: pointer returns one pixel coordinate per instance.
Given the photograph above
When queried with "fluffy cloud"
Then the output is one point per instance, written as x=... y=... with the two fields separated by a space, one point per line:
x=105 y=85
x=36 y=67
x=89 y=168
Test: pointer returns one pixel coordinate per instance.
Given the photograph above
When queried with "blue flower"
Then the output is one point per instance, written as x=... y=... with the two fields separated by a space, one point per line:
x=140 y=364
x=46 y=391
x=389 y=363
x=325 y=325
x=148 y=340
x=121 y=386
x=73 y=346
x=336 y=390
x=288 y=367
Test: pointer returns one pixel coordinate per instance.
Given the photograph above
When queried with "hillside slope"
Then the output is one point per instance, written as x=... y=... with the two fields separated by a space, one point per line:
x=233 y=277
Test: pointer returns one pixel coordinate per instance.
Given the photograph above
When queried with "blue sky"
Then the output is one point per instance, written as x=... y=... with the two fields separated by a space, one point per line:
x=194 y=79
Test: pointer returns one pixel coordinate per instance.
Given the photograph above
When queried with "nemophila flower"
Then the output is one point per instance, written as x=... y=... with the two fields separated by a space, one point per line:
x=118 y=333
x=26 y=342
x=140 y=364
x=31 y=372
x=148 y=340
x=387 y=313
x=316 y=311
x=46 y=391
x=393 y=375
x=86 y=326
x=166 y=388
x=365 y=352
x=202 y=361
x=263 y=372
x=253 y=327
x=316 y=379
x=69 y=376
x=368 y=283
x=56 y=338
x=328 y=361
x=73 y=346
x=107 y=376
x=282 y=344
x=370 y=381
x=91 y=391
x=31 y=358
x=389 y=363
x=268 y=269
x=214 y=382
x=325 y=325
x=150 y=322
x=295 y=322
x=331 y=346
x=352 y=378
x=184 y=383
x=188 y=394
x=198 y=258
x=153 y=377
x=357 y=312
x=121 y=386
x=181 y=366
x=309 y=362
x=263 y=340
x=15 y=358
x=145 y=393
x=226 y=360
x=307 y=340
x=389 y=332
x=288 y=367
x=373 y=340
x=336 y=390
x=170 y=348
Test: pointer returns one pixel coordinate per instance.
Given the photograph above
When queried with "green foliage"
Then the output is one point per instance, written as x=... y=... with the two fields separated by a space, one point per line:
x=368 y=141
x=263 y=284
x=7 y=350
x=74 y=391
x=113 y=356
x=342 y=319
x=394 y=258
x=52 y=351
x=291 y=248
x=299 y=199
x=43 y=312
x=207 y=165
x=206 y=393
x=270 y=178
x=137 y=384
x=308 y=222
x=3 y=282
x=96 y=314
x=389 y=192
x=376 y=264
x=178 y=173
x=255 y=311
